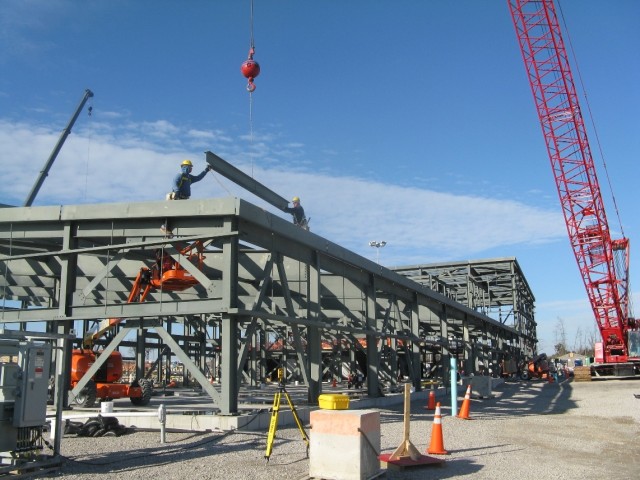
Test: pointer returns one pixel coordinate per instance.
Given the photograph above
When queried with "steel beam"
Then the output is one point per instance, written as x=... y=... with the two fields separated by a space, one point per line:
x=245 y=181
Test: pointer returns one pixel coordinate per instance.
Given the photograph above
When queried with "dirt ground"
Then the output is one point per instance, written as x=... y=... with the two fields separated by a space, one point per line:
x=526 y=431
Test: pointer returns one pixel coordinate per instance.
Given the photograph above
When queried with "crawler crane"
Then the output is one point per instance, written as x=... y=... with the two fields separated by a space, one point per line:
x=603 y=262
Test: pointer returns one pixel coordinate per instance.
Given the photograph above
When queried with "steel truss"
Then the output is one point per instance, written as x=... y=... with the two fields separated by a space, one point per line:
x=268 y=294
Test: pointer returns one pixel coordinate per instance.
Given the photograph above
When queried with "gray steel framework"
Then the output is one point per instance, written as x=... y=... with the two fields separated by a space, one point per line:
x=267 y=292
x=496 y=287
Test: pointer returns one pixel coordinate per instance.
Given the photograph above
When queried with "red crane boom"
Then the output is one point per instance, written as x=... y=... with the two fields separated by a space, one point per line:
x=556 y=100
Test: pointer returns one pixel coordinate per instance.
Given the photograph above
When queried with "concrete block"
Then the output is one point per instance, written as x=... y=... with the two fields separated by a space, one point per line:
x=344 y=444
x=481 y=386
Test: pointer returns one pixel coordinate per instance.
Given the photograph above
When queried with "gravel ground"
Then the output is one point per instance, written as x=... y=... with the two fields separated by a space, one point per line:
x=528 y=430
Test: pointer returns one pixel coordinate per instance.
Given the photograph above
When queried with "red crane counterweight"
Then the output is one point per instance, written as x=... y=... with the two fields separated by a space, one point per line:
x=250 y=69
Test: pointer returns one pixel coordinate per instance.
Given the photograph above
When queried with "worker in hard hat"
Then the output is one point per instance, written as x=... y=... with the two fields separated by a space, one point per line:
x=297 y=212
x=181 y=189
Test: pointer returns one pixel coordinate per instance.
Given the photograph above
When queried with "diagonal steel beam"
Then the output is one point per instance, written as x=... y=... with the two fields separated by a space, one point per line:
x=297 y=338
x=251 y=328
x=245 y=181
x=189 y=364
x=111 y=264
x=100 y=360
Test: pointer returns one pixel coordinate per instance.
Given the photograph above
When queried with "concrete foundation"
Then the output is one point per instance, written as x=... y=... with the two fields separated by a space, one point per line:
x=481 y=386
x=344 y=444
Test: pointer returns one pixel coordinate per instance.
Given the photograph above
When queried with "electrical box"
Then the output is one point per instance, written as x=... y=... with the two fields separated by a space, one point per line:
x=31 y=399
x=24 y=381
x=26 y=361
x=9 y=373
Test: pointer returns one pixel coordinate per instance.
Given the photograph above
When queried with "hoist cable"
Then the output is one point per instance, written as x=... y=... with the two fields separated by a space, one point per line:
x=215 y=177
x=251 y=26
x=251 y=49
x=251 y=152
x=88 y=161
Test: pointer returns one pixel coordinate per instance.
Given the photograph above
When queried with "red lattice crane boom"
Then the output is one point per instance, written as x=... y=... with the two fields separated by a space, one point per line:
x=563 y=127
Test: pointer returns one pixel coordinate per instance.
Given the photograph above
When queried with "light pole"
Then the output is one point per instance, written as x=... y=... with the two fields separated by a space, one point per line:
x=378 y=246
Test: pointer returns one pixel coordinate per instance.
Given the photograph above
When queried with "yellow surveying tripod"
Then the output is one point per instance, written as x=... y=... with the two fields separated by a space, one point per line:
x=273 y=425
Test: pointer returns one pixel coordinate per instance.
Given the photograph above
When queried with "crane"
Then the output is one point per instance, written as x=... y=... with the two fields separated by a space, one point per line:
x=54 y=153
x=603 y=262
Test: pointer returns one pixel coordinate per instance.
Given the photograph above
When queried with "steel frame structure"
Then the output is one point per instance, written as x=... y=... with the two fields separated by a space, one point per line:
x=495 y=287
x=264 y=283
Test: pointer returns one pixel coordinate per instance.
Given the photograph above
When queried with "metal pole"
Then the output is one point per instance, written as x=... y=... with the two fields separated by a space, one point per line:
x=47 y=166
x=162 y=418
x=454 y=385
x=378 y=246
x=60 y=393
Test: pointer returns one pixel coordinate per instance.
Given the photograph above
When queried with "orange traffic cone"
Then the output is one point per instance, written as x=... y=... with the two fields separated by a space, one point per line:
x=334 y=383
x=431 y=405
x=437 y=443
x=466 y=404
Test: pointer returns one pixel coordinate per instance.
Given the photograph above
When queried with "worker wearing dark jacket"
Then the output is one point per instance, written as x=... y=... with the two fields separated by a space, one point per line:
x=297 y=212
x=181 y=188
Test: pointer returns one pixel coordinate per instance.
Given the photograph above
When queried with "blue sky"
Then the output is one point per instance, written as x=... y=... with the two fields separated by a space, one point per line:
x=405 y=121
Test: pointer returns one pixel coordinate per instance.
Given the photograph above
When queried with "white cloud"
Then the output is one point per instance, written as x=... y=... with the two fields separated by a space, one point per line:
x=160 y=129
x=137 y=162
x=208 y=135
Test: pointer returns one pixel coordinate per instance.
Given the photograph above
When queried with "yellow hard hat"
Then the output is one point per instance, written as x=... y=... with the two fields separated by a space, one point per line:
x=187 y=163
x=296 y=199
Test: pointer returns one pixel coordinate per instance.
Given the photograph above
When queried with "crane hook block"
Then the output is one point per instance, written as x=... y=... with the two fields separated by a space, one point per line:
x=250 y=69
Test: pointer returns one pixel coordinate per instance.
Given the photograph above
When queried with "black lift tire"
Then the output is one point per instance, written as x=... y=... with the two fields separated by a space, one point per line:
x=87 y=396
x=147 y=392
